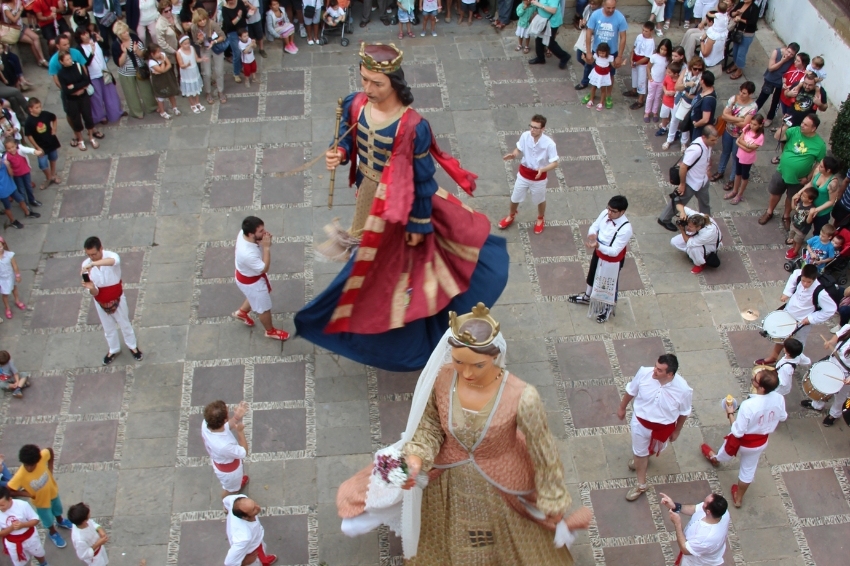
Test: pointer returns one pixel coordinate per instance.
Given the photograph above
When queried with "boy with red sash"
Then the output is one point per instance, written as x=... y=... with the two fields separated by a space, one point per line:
x=102 y=277
x=226 y=449
x=245 y=533
x=662 y=405
x=20 y=539
x=758 y=416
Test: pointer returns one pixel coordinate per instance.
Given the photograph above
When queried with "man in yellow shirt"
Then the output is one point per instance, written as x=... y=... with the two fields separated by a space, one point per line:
x=35 y=479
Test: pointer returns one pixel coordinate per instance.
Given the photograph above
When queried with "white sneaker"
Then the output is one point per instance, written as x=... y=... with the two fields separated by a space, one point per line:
x=302 y=31
x=433 y=33
x=835 y=329
x=422 y=34
x=659 y=33
x=310 y=42
x=665 y=146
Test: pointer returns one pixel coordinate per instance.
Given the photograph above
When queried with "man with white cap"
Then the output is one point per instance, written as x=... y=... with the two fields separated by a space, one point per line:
x=245 y=533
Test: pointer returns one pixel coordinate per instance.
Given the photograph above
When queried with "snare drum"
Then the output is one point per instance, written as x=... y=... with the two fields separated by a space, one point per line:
x=823 y=380
x=778 y=325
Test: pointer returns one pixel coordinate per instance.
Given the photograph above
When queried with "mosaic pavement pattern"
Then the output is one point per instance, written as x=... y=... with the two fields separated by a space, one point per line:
x=169 y=197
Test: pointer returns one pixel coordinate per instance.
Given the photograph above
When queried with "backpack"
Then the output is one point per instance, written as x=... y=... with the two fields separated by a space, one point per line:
x=712 y=259
x=823 y=282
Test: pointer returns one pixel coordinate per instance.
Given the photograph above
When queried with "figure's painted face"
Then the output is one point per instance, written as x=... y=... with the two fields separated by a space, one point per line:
x=471 y=366
x=376 y=86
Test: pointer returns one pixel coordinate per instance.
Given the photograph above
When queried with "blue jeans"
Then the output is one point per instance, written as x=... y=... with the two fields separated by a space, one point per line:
x=5 y=475
x=581 y=5
x=740 y=50
x=668 y=10
x=730 y=147
x=44 y=160
x=233 y=42
x=24 y=184
x=504 y=7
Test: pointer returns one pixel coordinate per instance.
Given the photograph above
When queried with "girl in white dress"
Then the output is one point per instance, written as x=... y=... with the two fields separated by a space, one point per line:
x=191 y=84
x=600 y=76
x=9 y=278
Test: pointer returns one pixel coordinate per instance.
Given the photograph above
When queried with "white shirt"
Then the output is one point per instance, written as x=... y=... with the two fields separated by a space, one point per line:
x=659 y=67
x=249 y=257
x=258 y=13
x=786 y=371
x=244 y=536
x=821 y=73
x=760 y=414
x=644 y=46
x=707 y=236
x=841 y=351
x=697 y=175
x=247 y=56
x=20 y=512
x=98 y=64
x=605 y=230
x=662 y=404
x=104 y=276
x=222 y=446
x=537 y=155
x=6 y=270
x=705 y=542
x=800 y=304
x=83 y=539
x=429 y=5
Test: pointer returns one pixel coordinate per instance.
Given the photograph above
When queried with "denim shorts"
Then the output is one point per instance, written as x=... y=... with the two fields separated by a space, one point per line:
x=16 y=196
x=404 y=16
x=429 y=13
x=49 y=156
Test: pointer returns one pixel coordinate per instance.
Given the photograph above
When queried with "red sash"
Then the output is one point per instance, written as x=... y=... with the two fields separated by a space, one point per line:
x=678 y=559
x=733 y=443
x=265 y=559
x=110 y=293
x=530 y=174
x=96 y=552
x=636 y=57
x=230 y=466
x=18 y=541
x=660 y=434
x=613 y=259
x=602 y=70
x=246 y=280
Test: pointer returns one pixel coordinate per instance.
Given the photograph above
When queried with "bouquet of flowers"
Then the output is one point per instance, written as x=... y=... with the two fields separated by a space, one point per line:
x=391 y=467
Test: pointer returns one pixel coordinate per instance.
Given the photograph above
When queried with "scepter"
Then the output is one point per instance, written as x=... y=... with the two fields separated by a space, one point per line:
x=335 y=146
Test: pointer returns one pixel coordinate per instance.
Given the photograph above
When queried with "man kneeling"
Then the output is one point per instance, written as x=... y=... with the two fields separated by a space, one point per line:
x=699 y=237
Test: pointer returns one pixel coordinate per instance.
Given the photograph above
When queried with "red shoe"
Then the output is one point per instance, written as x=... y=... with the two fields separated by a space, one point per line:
x=269 y=560
x=734 y=491
x=277 y=334
x=243 y=316
x=245 y=480
x=538 y=226
x=506 y=221
x=697 y=269
x=791 y=254
x=706 y=451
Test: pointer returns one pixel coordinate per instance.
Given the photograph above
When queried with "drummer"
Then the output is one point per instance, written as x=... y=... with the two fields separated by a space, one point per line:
x=840 y=346
x=785 y=367
x=808 y=302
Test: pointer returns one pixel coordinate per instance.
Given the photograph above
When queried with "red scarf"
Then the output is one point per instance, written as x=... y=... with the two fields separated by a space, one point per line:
x=18 y=541
x=733 y=443
x=660 y=434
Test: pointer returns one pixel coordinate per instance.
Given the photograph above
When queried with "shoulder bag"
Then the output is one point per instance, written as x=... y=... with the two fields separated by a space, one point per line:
x=143 y=73
x=675 y=178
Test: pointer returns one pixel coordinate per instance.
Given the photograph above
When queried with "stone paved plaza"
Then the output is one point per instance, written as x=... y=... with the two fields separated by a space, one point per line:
x=169 y=197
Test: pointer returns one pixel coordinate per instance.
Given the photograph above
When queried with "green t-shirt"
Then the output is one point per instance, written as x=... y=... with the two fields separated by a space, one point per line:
x=800 y=155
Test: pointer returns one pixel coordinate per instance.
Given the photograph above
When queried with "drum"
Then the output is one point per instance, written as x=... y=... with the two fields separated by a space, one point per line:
x=823 y=380
x=777 y=326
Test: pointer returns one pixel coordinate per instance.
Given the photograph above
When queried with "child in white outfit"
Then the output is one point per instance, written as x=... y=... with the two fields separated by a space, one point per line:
x=10 y=276
x=656 y=14
x=720 y=28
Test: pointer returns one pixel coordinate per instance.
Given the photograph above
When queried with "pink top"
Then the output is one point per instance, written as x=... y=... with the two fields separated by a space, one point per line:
x=20 y=164
x=745 y=157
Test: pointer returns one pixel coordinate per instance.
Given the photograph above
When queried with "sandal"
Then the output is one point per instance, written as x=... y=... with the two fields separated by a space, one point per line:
x=715 y=177
x=195 y=109
x=518 y=48
x=94 y=143
x=729 y=186
x=735 y=502
x=775 y=160
x=786 y=222
x=736 y=76
x=400 y=35
x=9 y=313
x=21 y=305
x=589 y=104
x=81 y=145
x=56 y=181
x=729 y=196
x=737 y=199
x=74 y=142
x=210 y=99
x=222 y=98
x=635 y=106
x=599 y=107
x=98 y=135
x=411 y=34
x=525 y=49
x=789 y=241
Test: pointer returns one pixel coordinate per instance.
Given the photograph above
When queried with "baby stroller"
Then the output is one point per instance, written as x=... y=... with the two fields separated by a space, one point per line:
x=835 y=269
x=343 y=27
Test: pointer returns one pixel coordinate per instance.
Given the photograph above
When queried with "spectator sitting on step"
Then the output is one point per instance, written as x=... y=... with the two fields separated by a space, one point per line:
x=12 y=380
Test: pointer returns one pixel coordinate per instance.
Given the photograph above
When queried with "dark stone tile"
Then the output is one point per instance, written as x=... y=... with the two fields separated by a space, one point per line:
x=512 y=93
x=616 y=517
x=234 y=162
x=286 y=257
x=561 y=278
x=549 y=71
x=222 y=299
x=134 y=169
x=284 y=105
x=428 y=97
x=44 y=397
x=583 y=173
x=655 y=142
x=89 y=172
x=283 y=381
x=555 y=241
x=284 y=80
x=239 y=107
x=195 y=445
x=575 y=144
x=731 y=269
x=665 y=162
x=131 y=199
x=15 y=436
x=231 y=192
x=282 y=159
x=594 y=406
x=753 y=234
x=132 y=298
x=768 y=265
x=89 y=441
x=393 y=419
x=687 y=493
x=629 y=277
x=396 y=382
x=286 y=537
x=554 y=93
x=635 y=555
x=418 y=74
x=635 y=353
x=218 y=382
x=748 y=345
x=815 y=493
x=131 y=266
x=61 y=272
x=79 y=203
x=511 y=69
x=828 y=543
x=283 y=190
x=97 y=393
x=55 y=311
x=725 y=234
x=583 y=360
x=201 y=541
x=279 y=430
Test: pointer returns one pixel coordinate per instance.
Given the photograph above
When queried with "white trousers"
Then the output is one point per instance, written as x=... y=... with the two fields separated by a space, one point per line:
x=674 y=127
x=837 y=402
x=748 y=459
x=112 y=322
x=639 y=78
x=641 y=438
x=230 y=481
x=523 y=186
x=32 y=547
x=696 y=253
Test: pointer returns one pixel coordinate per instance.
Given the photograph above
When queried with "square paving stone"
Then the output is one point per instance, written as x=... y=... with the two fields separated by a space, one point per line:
x=89 y=441
x=282 y=159
x=56 y=311
x=768 y=264
x=393 y=419
x=424 y=73
x=131 y=266
x=97 y=393
x=286 y=257
x=562 y=278
x=132 y=199
x=239 y=107
x=218 y=382
x=634 y=353
x=132 y=298
x=815 y=493
x=511 y=69
x=80 y=203
x=283 y=190
x=629 y=277
x=195 y=446
x=555 y=93
x=396 y=382
x=139 y=168
x=753 y=234
x=231 y=192
x=555 y=241
x=687 y=493
x=594 y=406
x=731 y=270
x=512 y=93
x=219 y=300
x=287 y=537
x=201 y=542
x=16 y=435
x=283 y=381
x=284 y=105
x=616 y=517
x=61 y=272
x=279 y=430
x=635 y=555
x=828 y=543
x=583 y=361
x=583 y=173
x=575 y=144
x=428 y=97
x=89 y=172
x=285 y=80
x=748 y=345
x=44 y=397
x=234 y=162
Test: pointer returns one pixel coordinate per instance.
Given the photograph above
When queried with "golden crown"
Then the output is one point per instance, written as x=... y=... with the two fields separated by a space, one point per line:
x=479 y=312
x=381 y=58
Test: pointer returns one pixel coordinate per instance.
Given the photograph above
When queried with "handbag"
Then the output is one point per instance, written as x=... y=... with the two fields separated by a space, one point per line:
x=720 y=125
x=537 y=27
x=738 y=36
x=142 y=73
x=683 y=109
x=108 y=19
x=108 y=79
x=309 y=12
x=219 y=47
x=9 y=34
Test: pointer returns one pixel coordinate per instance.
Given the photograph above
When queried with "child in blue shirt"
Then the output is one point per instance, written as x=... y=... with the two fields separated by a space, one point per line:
x=820 y=250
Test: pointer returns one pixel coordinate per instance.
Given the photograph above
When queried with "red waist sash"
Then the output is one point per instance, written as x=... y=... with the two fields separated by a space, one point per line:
x=265 y=559
x=96 y=552
x=660 y=434
x=636 y=57
x=110 y=293
x=18 y=541
x=250 y=280
x=531 y=174
x=228 y=467
x=613 y=259
x=602 y=70
x=733 y=443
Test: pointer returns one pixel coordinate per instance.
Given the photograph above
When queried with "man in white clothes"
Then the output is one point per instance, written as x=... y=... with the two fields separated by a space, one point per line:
x=693 y=175
x=703 y=542
x=224 y=439
x=662 y=405
x=808 y=302
x=245 y=533
x=699 y=237
x=89 y=538
x=253 y=259
x=786 y=367
x=20 y=538
x=539 y=156
x=102 y=277
x=758 y=416
x=840 y=346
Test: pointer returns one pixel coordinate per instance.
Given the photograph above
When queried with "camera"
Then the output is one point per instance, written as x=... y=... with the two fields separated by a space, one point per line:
x=675 y=198
x=681 y=222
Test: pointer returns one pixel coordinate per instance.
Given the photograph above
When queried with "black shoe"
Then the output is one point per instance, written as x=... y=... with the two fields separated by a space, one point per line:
x=537 y=61
x=580 y=86
x=137 y=355
x=603 y=317
x=109 y=358
x=33 y=215
x=364 y=23
x=17 y=225
x=807 y=403
x=581 y=299
x=828 y=420
x=35 y=203
x=630 y=93
x=564 y=61
x=669 y=225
